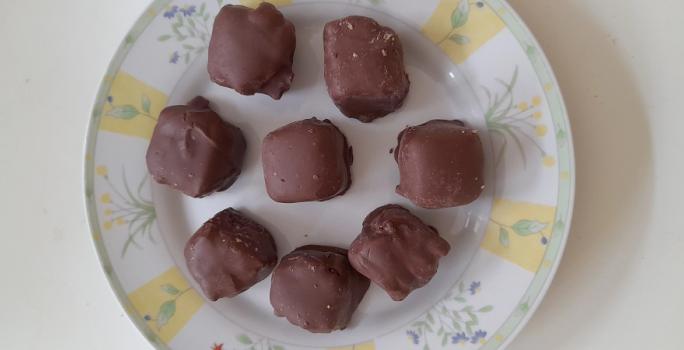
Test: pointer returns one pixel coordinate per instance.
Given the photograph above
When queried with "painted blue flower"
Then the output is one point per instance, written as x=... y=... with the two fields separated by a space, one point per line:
x=474 y=287
x=415 y=338
x=147 y=317
x=171 y=12
x=110 y=99
x=478 y=336
x=459 y=338
x=188 y=11
x=544 y=240
x=174 y=57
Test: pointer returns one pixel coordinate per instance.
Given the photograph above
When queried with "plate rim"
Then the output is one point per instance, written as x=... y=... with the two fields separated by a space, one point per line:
x=138 y=28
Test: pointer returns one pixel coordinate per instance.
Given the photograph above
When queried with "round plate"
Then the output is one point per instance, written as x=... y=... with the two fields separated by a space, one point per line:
x=471 y=60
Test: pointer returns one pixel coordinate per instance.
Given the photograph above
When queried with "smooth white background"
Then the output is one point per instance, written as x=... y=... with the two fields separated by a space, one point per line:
x=619 y=64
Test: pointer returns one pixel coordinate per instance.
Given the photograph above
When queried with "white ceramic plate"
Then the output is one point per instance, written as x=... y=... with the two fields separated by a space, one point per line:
x=472 y=60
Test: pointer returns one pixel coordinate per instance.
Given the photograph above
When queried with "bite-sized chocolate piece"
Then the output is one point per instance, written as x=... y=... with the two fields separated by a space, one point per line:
x=229 y=254
x=194 y=151
x=397 y=251
x=315 y=288
x=307 y=160
x=251 y=50
x=441 y=164
x=364 y=68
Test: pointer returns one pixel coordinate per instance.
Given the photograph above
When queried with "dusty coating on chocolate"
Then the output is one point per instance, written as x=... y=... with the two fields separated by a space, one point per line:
x=229 y=254
x=251 y=50
x=397 y=251
x=364 y=68
x=192 y=150
x=441 y=164
x=316 y=288
x=307 y=160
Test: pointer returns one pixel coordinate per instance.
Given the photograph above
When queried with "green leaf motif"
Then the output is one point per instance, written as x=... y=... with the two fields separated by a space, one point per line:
x=459 y=16
x=219 y=2
x=164 y=37
x=146 y=103
x=473 y=318
x=170 y=289
x=526 y=227
x=244 y=339
x=487 y=308
x=430 y=318
x=560 y=225
x=524 y=307
x=188 y=46
x=503 y=237
x=123 y=112
x=459 y=39
x=561 y=134
x=426 y=347
x=166 y=312
x=277 y=347
x=444 y=339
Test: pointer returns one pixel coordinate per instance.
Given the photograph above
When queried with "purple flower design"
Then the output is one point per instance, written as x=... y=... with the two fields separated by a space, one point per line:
x=474 y=287
x=174 y=57
x=479 y=335
x=415 y=338
x=171 y=12
x=188 y=11
x=459 y=338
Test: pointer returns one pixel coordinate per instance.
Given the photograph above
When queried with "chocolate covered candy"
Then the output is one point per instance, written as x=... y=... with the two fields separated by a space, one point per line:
x=364 y=67
x=441 y=164
x=307 y=160
x=397 y=251
x=229 y=254
x=192 y=150
x=315 y=288
x=251 y=50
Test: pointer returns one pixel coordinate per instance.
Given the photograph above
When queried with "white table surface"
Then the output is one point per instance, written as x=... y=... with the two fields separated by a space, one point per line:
x=619 y=64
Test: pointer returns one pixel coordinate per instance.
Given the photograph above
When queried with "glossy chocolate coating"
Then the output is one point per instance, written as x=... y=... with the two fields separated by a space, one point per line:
x=192 y=150
x=315 y=288
x=307 y=160
x=364 y=68
x=441 y=164
x=397 y=251
x=229 y=254
x=251 y=50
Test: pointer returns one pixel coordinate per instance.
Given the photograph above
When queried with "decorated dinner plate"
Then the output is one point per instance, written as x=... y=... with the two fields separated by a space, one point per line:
x=472 y=60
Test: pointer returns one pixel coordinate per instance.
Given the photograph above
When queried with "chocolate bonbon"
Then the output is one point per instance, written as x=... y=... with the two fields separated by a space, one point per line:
x=364 y=67
x=229 y=254
x=307 y=160
x=251 y=50
x=193 y=151
x=441 y=164
x=397 y=251
x=315 y=288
